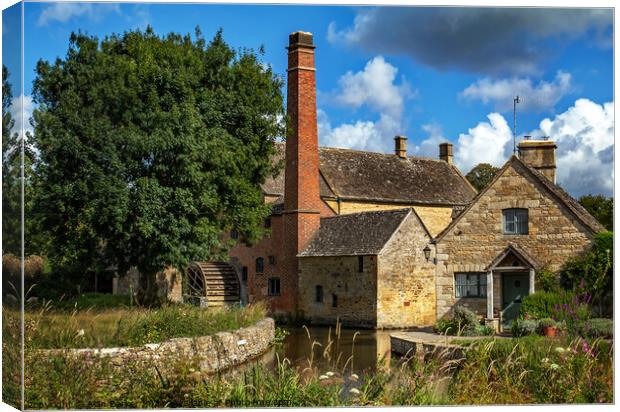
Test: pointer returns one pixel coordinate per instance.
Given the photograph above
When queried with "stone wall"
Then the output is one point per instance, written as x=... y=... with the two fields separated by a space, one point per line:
x=405 y=279
x=554 y=235
x=211 y=353
x=435 y=218
x=338 y=275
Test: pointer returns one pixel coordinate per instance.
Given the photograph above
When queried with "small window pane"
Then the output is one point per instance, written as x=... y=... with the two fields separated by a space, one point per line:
x=274 y=286
x=259 y=265
x=515 y=221
x=319 y=294
x=470 y=285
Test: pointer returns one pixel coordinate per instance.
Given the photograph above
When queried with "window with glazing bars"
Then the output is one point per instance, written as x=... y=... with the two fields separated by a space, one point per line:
x=515 y=221
x=470 y=285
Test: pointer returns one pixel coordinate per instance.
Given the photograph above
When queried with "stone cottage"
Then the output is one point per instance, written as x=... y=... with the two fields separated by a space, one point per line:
x=392 y=240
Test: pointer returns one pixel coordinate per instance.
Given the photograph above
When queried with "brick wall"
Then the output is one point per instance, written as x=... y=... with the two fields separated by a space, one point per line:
x=554 y=236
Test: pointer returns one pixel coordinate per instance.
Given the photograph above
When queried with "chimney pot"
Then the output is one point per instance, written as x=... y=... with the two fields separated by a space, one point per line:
x=445 y=152
x=300 y=39
x=400 y=146
x=539 y=154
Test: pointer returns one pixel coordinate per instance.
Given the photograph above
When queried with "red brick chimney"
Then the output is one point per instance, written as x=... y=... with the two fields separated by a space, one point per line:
x=301 y=188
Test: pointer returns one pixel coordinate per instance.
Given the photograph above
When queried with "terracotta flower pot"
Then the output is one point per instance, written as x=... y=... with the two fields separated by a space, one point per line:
x=550 y=331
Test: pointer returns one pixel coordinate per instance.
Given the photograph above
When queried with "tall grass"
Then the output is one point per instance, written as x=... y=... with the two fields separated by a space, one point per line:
x=47 y=328
x=490 y=371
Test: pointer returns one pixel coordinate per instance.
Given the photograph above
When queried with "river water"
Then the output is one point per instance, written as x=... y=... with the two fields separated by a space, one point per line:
x=323 y=349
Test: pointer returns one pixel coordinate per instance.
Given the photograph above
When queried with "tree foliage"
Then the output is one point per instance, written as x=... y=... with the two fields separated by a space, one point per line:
x=151 y=147
x=11 y=192
x=593 y=270
x=601 y=207
x=481 y=175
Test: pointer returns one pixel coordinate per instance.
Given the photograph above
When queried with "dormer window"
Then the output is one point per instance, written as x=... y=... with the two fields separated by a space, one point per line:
x=515 y=221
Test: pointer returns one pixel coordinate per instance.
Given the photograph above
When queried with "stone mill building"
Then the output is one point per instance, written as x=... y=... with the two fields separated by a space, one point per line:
x=393 y=240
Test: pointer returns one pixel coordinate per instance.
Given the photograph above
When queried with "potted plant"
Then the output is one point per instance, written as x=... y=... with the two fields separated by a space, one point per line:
x=548 y=327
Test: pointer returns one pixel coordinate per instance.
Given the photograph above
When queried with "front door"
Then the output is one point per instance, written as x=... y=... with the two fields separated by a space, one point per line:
x=515 y=286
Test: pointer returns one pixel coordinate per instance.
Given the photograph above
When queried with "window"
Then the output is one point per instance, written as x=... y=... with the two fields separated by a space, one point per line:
x=360 y=264
x=515 y=221
x=471 y=285
x=273 y=286
x=318 y=294
x=244 y=274
x=260 y=265
x=272 y=260
x=267 y=223
x=234 y=234
x=334 y=301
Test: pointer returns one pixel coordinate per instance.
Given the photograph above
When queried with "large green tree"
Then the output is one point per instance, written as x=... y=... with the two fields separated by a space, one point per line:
x=601 y=207
x=11 y=191
x=150 y=148
x=481 y=175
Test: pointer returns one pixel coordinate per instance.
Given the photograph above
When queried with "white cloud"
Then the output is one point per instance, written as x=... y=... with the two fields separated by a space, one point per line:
x=584 y=135
x=63 y=12
x=430 y=146
x=534 y=97
x=585 y=138
x=484 y=143
x=16 y=113
x=374 y=87
x=361 y=135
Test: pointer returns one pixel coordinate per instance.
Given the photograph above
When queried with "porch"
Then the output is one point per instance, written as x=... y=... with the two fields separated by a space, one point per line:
x=515 y=271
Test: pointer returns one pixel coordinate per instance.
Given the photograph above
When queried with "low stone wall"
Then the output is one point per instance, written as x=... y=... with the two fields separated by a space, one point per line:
x=211 y=353
x=425 y=350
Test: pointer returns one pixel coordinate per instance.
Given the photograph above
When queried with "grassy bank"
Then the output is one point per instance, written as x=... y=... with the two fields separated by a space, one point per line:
x=516 y=371
x=97 y=327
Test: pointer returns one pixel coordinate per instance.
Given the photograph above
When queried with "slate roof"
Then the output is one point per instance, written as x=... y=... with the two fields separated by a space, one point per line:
x=370 y=176
x=355 y=234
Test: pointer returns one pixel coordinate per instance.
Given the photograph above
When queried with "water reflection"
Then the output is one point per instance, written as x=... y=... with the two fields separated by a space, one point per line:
x=330 y=349
x=325 y=350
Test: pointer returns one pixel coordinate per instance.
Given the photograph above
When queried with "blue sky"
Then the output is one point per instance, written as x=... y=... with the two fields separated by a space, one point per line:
x=432 y=74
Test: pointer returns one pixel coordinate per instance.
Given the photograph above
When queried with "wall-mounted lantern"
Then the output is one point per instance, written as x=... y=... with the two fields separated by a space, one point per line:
x=427 y=252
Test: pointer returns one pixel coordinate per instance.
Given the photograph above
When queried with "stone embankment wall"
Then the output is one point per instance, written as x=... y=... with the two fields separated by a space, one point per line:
x=209 y=353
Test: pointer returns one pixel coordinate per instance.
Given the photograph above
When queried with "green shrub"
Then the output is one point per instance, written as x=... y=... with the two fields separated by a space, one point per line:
x=592 y=271
x=464 y=317
x=463 y=322
x=445 y=326
x=545 y=323
x=541 y=305
x=547 y=281
x=599 y=328
x=524 y=327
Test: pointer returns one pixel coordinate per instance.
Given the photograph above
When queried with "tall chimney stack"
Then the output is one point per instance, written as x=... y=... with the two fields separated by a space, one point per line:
x=302 y=202
x=445 y=152
x=400 y=146
x=540 y=154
